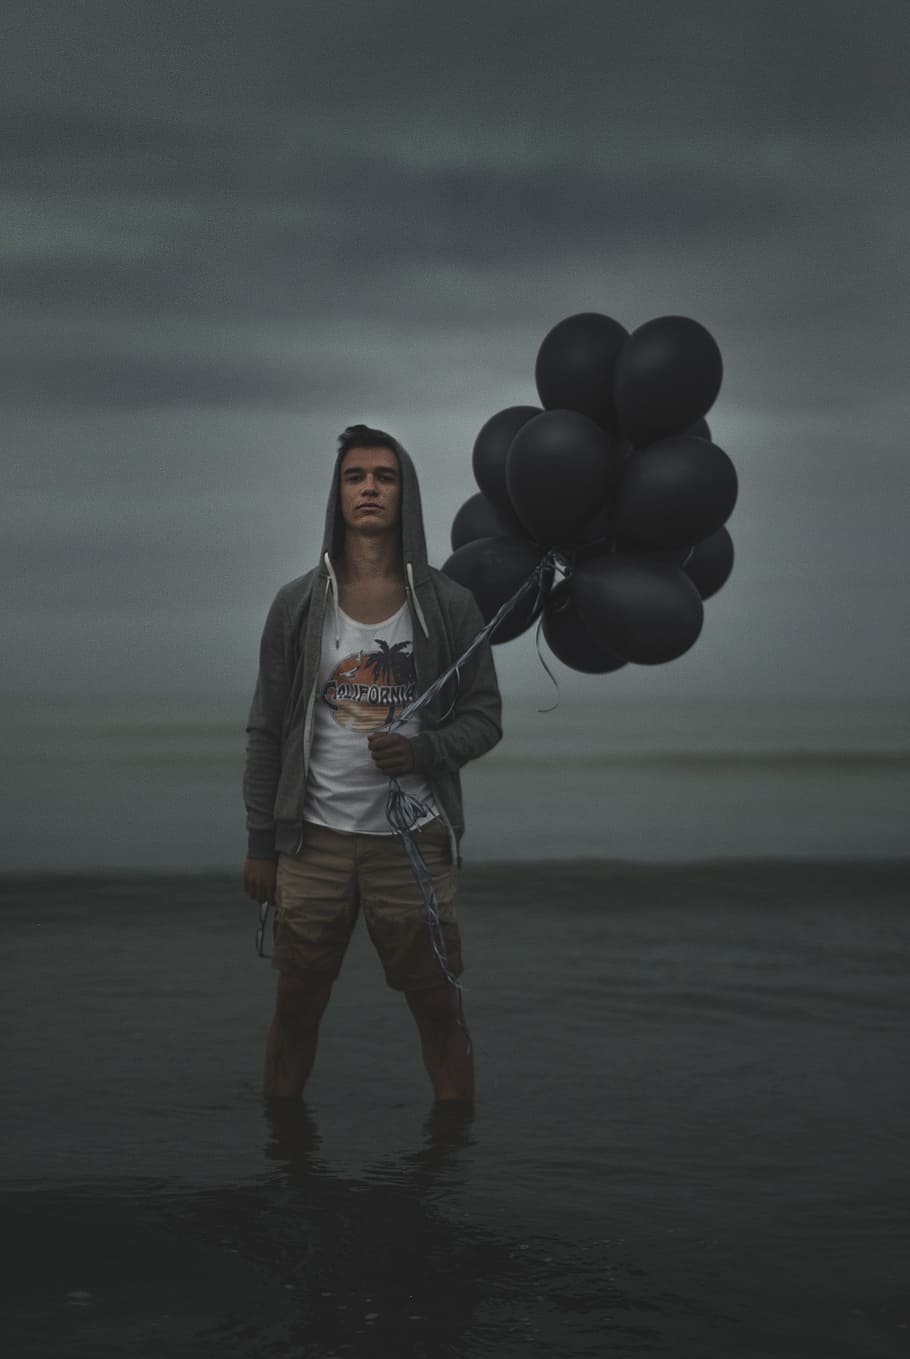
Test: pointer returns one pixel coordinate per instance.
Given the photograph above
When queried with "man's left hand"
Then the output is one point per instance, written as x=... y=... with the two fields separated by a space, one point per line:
x=391 y=753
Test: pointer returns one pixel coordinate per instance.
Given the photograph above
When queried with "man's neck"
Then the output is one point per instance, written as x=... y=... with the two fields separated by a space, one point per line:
x=366 y=558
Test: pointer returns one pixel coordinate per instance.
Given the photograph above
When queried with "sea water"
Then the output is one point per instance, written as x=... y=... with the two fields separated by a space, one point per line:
x=690 y=1136
x=155 y=783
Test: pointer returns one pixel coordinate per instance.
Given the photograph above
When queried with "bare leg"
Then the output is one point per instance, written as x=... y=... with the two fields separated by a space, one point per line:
x=290 y=1047
x=443 y=1043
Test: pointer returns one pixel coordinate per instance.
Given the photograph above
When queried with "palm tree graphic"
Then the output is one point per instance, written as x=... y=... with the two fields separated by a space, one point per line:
x=391 y=665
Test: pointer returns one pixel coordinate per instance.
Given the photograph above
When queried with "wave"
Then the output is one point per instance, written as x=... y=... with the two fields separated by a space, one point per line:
x=193 y=751
x=760 y=873
x=709 y=759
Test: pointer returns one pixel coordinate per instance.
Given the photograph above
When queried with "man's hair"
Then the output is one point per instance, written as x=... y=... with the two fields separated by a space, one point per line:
x=361 y=436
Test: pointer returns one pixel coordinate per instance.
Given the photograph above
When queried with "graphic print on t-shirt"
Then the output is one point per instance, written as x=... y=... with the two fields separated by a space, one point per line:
x=369 y=688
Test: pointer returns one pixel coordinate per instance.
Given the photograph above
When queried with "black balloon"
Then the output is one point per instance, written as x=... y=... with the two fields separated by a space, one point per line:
x=644 y=611
x=491 y=449
x=674 y=493
x=668 y=556
x=480 y=518
x=597 y=539
x=560 y=465
x=575 y=366
x=493 y=569
x=668 y=374
x=571 y=640
x=710 y=562
x=596 y=534
x=701 y=429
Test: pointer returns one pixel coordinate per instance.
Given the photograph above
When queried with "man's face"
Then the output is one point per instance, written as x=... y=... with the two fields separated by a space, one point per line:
x=370 y=490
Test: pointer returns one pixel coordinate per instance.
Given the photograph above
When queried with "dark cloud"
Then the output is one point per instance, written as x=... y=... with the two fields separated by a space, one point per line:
x=838 y=65
x=170 y=551
x=36 y=140
x=73 y=382
x=266 y=249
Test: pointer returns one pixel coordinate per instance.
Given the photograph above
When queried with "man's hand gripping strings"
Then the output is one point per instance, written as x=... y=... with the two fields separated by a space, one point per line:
x=391 y=753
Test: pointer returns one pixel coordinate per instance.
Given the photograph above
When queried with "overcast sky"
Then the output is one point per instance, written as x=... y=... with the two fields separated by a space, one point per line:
x=232 y=229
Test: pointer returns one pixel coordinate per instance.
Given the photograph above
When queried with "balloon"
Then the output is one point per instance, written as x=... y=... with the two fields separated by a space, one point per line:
x=667 y=376
x=710 y=563
x=701 y=429
x=479 y=518
x=575 y=365
x=674 y=493
x=647 y=612
x=560 y=464
x=491 y=448
x=571 y=640
x=493 y=569
x=596 y=539
x=596 y=534
x=668 y=556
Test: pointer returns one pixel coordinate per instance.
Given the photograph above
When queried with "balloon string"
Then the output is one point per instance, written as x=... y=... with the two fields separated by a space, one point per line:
x=535 y=579
x=451 y=708
x=404 y=811
x=553 y=706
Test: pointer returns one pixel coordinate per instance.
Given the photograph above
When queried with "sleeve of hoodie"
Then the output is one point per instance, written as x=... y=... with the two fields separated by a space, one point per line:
x=474 y=725
x=264 y=727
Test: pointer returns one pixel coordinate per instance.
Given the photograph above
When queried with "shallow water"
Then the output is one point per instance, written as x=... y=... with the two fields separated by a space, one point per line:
x=690 y=1135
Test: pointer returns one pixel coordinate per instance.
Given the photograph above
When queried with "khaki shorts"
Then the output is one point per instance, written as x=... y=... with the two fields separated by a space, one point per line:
x=319 y=891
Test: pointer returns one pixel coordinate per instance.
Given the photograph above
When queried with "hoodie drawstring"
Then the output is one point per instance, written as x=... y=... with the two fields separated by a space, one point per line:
x=414 y=600
x=333 y=586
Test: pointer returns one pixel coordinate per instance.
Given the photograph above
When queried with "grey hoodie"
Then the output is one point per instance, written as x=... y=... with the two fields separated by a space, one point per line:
x=459 y=724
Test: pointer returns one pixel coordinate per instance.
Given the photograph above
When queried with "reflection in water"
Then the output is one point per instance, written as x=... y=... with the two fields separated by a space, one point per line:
x=307 y=1262
x=374 y=1256
x=376 y=1262
x=293 y=1137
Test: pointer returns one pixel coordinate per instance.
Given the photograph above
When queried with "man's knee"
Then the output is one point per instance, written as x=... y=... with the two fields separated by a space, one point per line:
x=435 y=1005
x=302 y=1000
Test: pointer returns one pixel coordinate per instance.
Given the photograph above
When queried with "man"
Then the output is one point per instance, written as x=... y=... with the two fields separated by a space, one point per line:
x=344 y=649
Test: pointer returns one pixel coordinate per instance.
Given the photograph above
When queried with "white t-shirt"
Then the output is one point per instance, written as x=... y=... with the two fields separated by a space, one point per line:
x=364 y=683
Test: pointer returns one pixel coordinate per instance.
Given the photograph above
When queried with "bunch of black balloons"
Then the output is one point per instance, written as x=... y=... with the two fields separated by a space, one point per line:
x=615 y=478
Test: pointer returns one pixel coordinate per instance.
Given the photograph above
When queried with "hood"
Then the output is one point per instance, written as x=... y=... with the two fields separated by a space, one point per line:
x=413 y=538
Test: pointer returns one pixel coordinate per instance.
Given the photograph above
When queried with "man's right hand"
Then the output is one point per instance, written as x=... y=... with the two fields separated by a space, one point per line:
x=259 y=879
